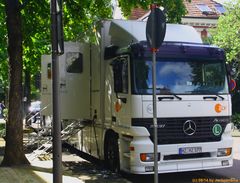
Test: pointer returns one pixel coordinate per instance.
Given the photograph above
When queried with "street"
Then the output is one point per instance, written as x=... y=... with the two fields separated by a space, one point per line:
x=219 y=175
x=81 y=170
x=96 y=173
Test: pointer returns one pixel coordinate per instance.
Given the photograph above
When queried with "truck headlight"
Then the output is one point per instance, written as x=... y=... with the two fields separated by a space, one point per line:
x=224 y=152
x=148 y=157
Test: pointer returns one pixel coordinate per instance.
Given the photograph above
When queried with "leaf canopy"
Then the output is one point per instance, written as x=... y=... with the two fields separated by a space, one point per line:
x=174 y=9
x=227 y=33
x=80 y=17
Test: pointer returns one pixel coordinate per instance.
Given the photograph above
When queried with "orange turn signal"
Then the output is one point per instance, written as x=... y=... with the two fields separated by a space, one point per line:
x=143 y=157
x=228 y=151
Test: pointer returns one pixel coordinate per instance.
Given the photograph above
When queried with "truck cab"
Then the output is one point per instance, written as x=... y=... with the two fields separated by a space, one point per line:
x=193 y=106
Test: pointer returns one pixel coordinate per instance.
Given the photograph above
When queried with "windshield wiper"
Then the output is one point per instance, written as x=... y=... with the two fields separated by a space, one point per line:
x=179 y=98
x=161 y=98
x=213 y=97
x=221 y=97
x=167 y=97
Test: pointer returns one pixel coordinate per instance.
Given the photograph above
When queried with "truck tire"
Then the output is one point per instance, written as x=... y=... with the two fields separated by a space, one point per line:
x=112 y=154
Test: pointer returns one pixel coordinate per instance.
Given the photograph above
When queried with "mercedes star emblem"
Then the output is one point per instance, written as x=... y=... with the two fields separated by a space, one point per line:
x=189 y=127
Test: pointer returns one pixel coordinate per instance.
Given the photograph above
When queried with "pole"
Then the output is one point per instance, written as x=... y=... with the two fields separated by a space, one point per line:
x=57 y=142
x=155 y=33
x=154 y=50
x=155 y=118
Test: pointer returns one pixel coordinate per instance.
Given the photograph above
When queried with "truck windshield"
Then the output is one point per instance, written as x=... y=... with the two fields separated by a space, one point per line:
x=180 y=76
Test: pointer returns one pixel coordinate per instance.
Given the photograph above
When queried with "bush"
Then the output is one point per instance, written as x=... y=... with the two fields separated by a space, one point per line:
x=236 y=120
x=2 y=129
x=3 y=125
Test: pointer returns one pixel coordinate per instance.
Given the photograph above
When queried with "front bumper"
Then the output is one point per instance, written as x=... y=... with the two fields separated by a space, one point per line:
x=170 y=161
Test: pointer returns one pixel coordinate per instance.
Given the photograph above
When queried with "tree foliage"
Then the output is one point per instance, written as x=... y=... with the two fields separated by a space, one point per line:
x=174 y=9
x=36 y=33
x=3 y=49
x=25 y=36
x=27 y=33
x=227 y=36
x=227 y=33
x=80 y=19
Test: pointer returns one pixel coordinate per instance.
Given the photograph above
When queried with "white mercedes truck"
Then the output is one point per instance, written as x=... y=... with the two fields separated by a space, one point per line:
x=109 y=85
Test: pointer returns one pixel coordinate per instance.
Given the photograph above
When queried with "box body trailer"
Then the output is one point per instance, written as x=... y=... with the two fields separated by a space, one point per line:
x=110 y=84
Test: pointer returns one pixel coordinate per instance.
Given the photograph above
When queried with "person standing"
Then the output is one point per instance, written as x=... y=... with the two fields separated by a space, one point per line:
x=2 y=107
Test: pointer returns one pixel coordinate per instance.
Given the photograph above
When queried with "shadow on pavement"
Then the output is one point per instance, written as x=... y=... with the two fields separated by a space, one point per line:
x=39 y=169
x=89 y=172
x=181 y=177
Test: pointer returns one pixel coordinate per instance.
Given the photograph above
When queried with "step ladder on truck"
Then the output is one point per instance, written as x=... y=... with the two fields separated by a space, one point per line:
x=70 y=130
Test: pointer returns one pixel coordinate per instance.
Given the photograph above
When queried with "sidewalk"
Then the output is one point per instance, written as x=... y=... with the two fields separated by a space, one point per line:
x=37 y=172
x=75 y=170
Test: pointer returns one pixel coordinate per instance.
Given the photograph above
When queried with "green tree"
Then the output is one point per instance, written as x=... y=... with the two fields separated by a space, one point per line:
x=3 y=54
x=174 y=9
x=26 y=31
x=36 y=41
x=79 y=18
x=227 y=36
x=227 y=33
x=14 y=154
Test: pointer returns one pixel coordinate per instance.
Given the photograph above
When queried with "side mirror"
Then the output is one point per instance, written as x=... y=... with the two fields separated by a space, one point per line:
x=232 y=84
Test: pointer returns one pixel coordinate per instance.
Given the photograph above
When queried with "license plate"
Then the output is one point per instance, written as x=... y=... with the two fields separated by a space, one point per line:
x=190 y=150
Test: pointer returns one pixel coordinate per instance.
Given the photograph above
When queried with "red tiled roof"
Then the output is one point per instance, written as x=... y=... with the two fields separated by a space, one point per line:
x=137 y=13
x=192 y=10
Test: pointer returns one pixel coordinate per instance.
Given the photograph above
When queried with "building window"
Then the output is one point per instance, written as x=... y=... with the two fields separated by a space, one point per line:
x=204 y=34
x=74 y=63
x=220 y=8
x=204 y=9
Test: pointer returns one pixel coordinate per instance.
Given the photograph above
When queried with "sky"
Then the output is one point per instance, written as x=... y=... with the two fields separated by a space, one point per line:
x=223 y=1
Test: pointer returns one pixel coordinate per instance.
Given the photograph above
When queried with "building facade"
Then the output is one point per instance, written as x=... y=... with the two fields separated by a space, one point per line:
x=201 y=14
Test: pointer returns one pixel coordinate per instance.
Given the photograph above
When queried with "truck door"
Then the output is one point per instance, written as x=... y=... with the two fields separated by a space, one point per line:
x=46 y=85
x=74 y=83
x=121 y=103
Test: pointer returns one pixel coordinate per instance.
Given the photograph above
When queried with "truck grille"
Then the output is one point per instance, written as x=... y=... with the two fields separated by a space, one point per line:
x=170 y=130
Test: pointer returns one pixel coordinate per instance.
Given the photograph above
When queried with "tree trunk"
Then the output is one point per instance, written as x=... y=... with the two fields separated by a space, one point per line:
x=14 y=154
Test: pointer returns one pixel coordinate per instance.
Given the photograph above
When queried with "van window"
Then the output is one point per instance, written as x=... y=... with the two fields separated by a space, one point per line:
x=74 y=63
x=125 y=76
x=120 y=75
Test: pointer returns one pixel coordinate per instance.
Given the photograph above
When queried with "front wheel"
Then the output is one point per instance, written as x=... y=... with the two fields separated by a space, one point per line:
x=112 y=154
